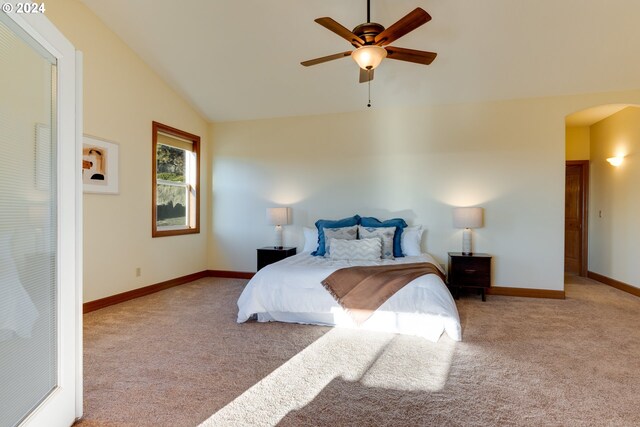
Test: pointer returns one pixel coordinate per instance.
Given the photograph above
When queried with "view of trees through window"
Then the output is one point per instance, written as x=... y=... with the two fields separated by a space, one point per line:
x=176 y=182
x=172 y=187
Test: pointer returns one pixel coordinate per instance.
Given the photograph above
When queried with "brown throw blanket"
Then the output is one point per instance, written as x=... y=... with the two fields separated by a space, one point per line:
x=361 y=290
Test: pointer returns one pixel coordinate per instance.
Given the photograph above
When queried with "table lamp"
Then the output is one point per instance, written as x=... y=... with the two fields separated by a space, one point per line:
x=467 y=218
x=278 y=217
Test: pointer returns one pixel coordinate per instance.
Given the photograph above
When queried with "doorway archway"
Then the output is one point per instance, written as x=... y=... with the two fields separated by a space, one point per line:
x=591 y=137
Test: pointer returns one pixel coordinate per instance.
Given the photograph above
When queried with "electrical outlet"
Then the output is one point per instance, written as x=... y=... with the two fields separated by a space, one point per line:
x=138 y=271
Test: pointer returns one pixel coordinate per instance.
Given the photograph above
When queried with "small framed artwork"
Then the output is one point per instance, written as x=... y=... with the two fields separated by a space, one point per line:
x=99 y=166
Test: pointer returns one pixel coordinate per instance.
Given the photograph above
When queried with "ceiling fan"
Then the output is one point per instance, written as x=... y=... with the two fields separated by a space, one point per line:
x=371 y=42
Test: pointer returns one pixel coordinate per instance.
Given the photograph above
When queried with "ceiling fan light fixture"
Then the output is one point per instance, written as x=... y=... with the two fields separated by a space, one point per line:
x=369 y=57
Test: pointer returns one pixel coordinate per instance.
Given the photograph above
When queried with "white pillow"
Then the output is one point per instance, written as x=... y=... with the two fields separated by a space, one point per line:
x=411 y=240
x=365 y=249
x=346 y=233
x=310 y=239
x=385 y=234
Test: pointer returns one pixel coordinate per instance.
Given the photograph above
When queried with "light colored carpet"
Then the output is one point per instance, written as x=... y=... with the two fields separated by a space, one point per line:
x=177 y=358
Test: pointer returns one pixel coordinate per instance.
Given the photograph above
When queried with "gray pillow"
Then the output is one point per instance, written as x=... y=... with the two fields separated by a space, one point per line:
x=363 y=249
x=384 y=233
x=343 y=233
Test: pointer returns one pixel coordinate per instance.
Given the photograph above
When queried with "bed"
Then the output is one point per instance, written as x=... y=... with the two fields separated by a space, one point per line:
x=291 y=291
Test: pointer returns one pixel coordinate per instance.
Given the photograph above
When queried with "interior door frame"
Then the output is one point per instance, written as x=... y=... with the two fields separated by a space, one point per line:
x=63 y=405
x=584 y=208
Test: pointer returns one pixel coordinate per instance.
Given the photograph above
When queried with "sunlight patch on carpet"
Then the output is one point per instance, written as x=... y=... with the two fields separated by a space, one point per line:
x=411 y=363
x=374 y=359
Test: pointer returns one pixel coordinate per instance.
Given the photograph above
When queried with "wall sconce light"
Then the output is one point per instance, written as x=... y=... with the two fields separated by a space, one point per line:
x=615 y=161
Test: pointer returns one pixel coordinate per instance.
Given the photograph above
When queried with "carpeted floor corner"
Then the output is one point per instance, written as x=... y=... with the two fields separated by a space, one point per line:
x=177 y=358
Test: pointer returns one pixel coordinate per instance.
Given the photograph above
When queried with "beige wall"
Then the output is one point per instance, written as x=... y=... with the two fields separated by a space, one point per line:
x=122 y=96
x=578 y=144
x=614 y=229
x=507 y=157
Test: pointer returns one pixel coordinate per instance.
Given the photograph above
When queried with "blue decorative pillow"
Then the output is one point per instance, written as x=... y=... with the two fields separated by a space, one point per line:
x=399 y=223
x=321 y=224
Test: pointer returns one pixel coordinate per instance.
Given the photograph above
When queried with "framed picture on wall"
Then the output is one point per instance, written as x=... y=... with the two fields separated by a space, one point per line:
x=100 y=166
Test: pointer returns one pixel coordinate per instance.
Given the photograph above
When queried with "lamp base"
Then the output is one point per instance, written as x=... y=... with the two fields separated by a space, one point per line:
x=278 y=243
x=466 y=242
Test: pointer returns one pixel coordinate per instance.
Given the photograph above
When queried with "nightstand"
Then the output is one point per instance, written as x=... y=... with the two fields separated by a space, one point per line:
x=269 y=255
x=469 y=271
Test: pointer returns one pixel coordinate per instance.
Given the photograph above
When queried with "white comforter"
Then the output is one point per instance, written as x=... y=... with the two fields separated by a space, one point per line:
x=290 y=291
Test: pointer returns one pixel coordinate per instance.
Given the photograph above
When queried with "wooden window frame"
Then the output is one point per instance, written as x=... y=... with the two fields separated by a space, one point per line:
x=194 y=212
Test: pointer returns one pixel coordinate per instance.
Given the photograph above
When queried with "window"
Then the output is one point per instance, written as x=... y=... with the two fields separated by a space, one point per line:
x=176 y=179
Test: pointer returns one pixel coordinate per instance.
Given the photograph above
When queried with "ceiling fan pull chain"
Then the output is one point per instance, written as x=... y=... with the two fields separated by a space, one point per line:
x=369 y=82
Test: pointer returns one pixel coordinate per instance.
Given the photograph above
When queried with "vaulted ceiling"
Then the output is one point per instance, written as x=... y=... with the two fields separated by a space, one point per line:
x=240 y=59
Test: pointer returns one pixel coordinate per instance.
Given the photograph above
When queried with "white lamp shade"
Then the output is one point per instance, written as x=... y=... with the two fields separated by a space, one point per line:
x=369 y=57
x=278 y=216
x=467 y=217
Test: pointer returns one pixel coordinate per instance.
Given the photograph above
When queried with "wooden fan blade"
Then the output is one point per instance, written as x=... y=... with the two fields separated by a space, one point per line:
x=366 y=75
x=410 y=22
x=410 y=55
x=343 y=32
x=326 y=58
